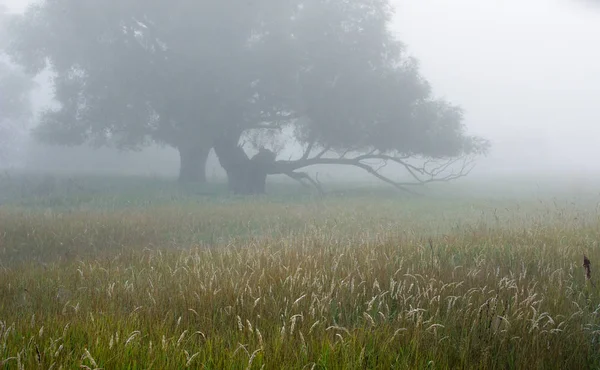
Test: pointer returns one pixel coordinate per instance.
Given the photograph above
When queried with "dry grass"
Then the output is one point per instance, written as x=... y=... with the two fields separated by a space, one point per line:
x=336 y=285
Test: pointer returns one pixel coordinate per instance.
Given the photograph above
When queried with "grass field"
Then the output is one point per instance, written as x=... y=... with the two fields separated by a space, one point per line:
x=114 y=274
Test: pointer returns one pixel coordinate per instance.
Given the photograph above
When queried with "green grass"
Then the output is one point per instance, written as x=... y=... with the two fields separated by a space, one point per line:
x=137 y=277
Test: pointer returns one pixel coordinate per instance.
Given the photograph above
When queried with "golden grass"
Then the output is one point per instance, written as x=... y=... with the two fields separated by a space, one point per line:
x=336 y=285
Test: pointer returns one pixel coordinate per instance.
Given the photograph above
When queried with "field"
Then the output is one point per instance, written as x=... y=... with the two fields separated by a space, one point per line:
x=138 y=274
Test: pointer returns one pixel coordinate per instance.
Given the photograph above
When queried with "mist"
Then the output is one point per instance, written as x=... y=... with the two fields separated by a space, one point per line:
x=299 y=184
x=527 y=74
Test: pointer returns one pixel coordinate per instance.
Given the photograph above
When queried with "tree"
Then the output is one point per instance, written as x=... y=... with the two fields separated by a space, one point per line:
x=357 y=98
x=132 y=72
x=198 y=75
x=15 y=98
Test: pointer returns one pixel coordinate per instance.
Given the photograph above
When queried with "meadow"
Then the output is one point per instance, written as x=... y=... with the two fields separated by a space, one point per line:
x=140 y=274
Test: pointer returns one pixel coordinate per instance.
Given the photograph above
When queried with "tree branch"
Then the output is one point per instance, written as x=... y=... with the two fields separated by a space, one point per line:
x=431 y=171
x=308 y=149
x=299 y=176
x=322 y=152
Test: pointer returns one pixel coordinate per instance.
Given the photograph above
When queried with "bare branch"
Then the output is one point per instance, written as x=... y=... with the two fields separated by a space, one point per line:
x=344 y=153
x=431 y=170
x=322 y=152
x=398 y=185
x=308 y=149
x=384 y=163
x=299 y=176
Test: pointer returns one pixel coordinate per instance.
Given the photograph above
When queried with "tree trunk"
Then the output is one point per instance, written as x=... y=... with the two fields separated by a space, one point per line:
x=192 y=168
x=247 y=176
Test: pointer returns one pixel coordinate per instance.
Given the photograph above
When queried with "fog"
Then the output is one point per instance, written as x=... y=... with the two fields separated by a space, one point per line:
x=527 y=74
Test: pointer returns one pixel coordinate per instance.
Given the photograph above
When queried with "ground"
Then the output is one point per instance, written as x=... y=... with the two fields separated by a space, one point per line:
x=136 y=273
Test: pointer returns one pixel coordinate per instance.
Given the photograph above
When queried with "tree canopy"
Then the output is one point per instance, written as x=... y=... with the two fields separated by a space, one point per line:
x=197 y=75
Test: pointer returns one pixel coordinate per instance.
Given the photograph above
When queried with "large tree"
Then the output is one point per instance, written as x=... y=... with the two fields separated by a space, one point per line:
x=198 y=75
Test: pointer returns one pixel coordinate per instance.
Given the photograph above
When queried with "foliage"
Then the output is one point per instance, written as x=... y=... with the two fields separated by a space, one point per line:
x=189 y=73
x=145 y=68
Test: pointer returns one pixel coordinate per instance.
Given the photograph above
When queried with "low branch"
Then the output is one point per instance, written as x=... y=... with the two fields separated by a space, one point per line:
x=299 y=176
x=401 y=186
x=431 y=171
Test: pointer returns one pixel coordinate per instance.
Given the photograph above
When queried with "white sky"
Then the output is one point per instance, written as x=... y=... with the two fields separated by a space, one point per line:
x=16 y=5
x=527 y=73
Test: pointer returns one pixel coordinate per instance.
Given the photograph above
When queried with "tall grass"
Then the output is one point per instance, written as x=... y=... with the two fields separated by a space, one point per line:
x=341 y=283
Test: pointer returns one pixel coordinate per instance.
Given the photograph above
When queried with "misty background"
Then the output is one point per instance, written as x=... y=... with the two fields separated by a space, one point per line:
x=527 y=74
